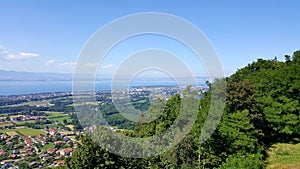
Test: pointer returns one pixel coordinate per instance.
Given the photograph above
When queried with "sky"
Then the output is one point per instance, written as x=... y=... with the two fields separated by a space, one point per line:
x=48 y=35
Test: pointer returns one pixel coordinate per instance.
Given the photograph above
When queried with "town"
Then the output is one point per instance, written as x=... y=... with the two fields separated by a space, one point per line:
x=41 y=130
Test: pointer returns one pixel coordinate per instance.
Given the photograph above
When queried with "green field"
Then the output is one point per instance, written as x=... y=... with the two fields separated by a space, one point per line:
x=31 y=103
x=47 y=146
x=23 y=131
x=49 y=125
x=284 y=156
x=5 y=124
x=84 y=103
x=58 y=117
x=23 y=122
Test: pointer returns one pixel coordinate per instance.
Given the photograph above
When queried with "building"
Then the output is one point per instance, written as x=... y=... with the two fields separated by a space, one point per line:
x=59 y=163
x=17 y=118
x=2 y=152
x=65 y=151
x=52 y=131
x=27 y=141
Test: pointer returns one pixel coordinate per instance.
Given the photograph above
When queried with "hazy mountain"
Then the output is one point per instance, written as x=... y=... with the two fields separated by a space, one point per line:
x=30 y=76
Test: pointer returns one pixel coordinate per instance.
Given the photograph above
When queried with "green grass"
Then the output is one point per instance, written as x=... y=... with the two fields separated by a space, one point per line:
x=58 y=117
x=5 y=124
x=47 y=146
x=49 y=125
x=23 y=122
x=84 y=103
x=284 y=156
x=23 y=131
x=31 y=103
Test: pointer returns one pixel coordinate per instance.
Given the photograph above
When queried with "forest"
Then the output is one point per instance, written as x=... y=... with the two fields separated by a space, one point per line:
x=262 y=108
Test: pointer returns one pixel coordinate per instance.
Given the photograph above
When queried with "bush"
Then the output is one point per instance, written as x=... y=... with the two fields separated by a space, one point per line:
x=245 y=161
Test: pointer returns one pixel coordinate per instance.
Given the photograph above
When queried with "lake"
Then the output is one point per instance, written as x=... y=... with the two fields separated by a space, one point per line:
x=31 y=87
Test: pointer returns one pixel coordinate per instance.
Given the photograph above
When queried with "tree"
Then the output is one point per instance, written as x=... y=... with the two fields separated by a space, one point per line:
x=65 y=121
x=90 y=155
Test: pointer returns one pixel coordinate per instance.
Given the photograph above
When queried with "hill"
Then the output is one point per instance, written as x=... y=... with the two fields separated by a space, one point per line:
x=262 y=109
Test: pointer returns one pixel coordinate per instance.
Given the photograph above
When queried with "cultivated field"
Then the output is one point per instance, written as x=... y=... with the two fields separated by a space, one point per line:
x=23 y=131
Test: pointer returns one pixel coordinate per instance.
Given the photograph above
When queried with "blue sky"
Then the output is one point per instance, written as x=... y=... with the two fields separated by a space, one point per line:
x=47 y=36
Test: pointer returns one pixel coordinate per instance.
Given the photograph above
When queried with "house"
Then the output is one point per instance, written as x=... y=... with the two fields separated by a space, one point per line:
x=2 y=152
x=16 y=136
x=29 y=153
x=10 y=139
x=58 y=142
x=17 y=118
x=9 y=143
x=59 y=163
x=4 y=136
x=28 y=148
x=7 y=161
x=15 y=152
x=65 y=151
x=66 y=138
x=44 y=142
x=52 y=131
x=7 y=165
x=43 y=155
x=13 y=156
x=36 y=117
x=2 y=119
x=27 y=141
x=51 y=150
x=48 y=158
x=31 y=136
x=40 y=136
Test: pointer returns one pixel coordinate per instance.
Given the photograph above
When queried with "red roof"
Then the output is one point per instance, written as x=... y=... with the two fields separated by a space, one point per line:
x=60 y=162
x=52 y=130
x=51 y=150
x=58 y=142
x=2 y=151
x=68 y=149
x=27 y=140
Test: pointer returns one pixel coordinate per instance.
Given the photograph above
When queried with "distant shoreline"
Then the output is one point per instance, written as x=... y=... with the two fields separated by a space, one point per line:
x=18 y=88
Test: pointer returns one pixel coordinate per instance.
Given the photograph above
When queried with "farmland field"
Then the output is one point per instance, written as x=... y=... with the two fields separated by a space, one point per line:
x=58 y=117
x=23 y=122
x=31 y=103
x=5 y=124
x=23 y=131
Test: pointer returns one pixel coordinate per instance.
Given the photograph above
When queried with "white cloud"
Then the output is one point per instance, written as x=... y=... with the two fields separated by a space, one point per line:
x=50 y=62
x=107 y=66
x=21 y=56
x=91 y=64
x=66 y=64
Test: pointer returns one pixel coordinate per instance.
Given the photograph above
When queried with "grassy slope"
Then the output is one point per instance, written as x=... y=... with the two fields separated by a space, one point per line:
x=284 y=156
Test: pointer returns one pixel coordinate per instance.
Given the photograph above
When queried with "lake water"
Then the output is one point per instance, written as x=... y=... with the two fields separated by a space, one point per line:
x=31 y=87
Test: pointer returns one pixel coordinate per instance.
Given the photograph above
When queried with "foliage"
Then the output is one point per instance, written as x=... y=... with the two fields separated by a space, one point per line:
x=262 y=108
